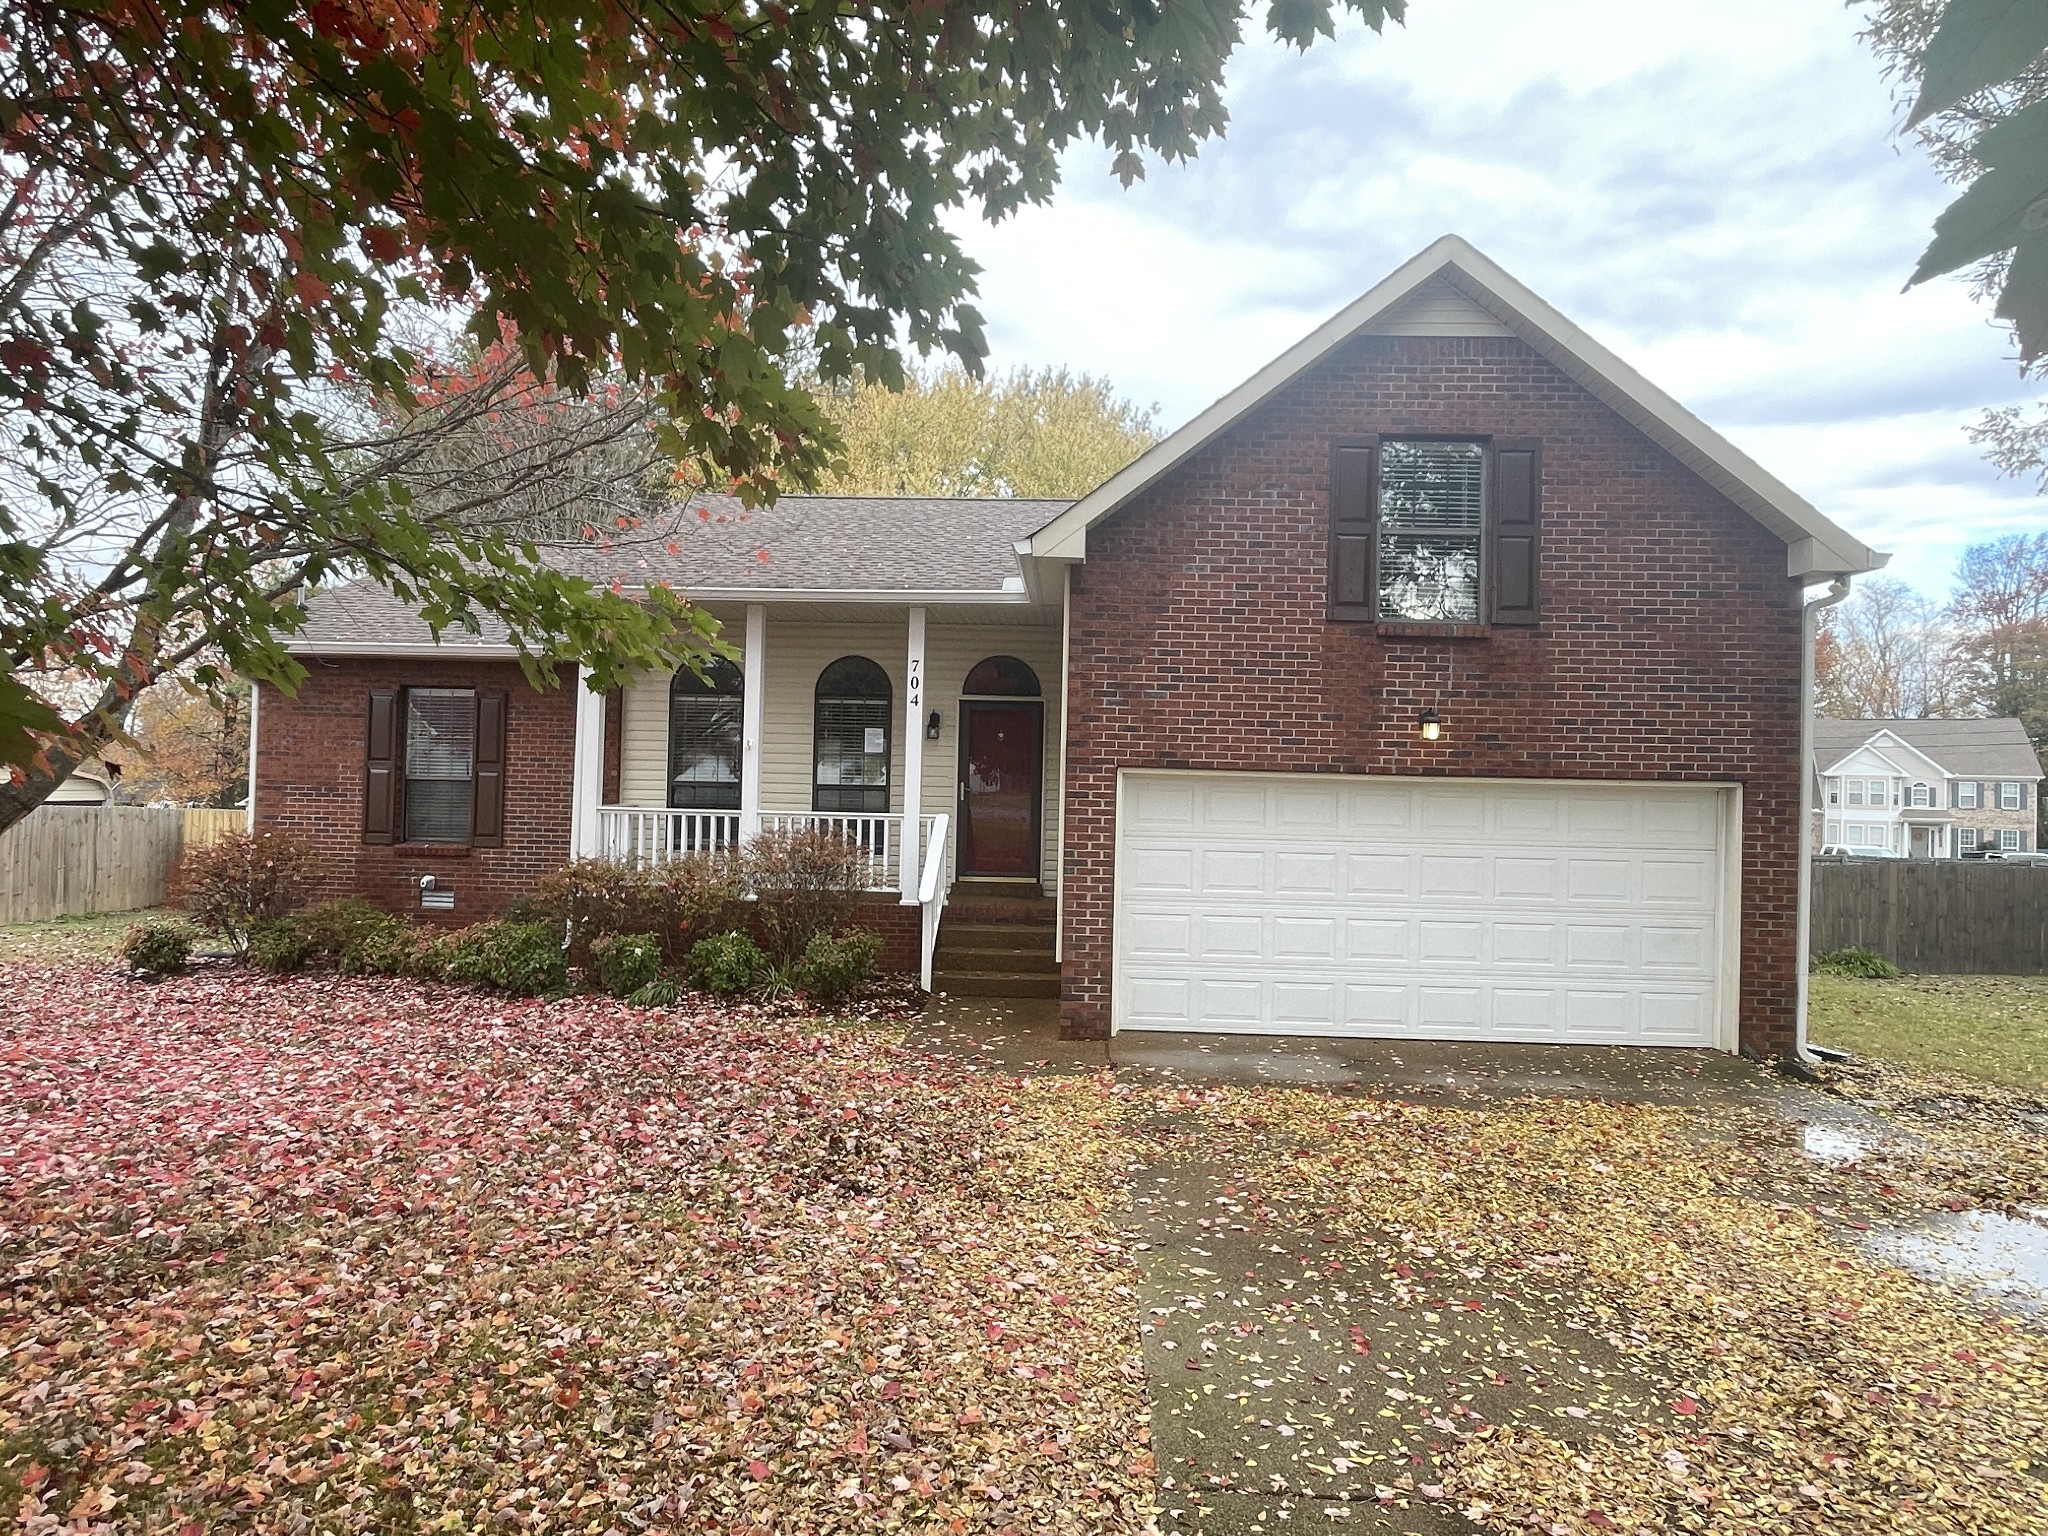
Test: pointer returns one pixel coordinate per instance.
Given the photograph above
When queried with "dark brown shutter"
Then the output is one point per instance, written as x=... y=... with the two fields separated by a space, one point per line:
x=1351 y=534
x=1511 y=536
x=380 y=767
x=487 y=827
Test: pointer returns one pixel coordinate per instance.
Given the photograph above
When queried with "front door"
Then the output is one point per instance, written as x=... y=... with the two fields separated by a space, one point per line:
x=999 y=789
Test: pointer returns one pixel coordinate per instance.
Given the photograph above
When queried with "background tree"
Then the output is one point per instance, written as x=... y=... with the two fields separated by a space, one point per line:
x=191 y=745
x=213 y=214
x=947 y=433
x=2000 y=614
x=1886 y=653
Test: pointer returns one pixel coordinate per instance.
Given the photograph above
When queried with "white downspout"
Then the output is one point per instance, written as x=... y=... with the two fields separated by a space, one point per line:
x=1809 y=629
x=249 y=820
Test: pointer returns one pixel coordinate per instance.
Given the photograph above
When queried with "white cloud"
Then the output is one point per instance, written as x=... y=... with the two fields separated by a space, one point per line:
x=1716 y=192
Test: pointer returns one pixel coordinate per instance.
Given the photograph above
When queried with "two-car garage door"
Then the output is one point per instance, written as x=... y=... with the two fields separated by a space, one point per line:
x=1592 y=913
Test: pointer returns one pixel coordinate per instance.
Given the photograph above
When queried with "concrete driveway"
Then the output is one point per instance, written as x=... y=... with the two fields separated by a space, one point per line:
x=1307 y=1378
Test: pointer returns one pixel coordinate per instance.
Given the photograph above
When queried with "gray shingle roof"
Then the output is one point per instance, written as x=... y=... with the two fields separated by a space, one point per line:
x=1993 y=749
x=801 y=544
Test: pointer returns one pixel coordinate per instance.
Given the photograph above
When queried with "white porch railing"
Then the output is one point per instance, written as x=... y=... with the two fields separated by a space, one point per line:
x=931 y=894
x=654 y=836
x=636 y=836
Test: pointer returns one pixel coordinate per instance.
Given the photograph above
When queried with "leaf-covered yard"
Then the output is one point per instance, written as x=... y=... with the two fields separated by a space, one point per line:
x=320 y=1255
x=333 y=1255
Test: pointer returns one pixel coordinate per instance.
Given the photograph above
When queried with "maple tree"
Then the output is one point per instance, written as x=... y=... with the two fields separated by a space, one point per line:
x=217 y=219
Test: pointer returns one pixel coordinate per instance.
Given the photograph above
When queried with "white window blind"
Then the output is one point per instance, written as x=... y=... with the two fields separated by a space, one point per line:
x=1432 y=513
x=440 y=763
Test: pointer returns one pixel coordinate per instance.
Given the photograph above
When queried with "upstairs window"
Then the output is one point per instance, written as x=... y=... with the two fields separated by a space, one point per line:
x=1966 y=796
x=2009 y=797
x=1432 y=506
x=1855 y=791
x=704 y=738
x=1434 y=531
x=1834 y=788
x=1922 y=796
x=850 y=738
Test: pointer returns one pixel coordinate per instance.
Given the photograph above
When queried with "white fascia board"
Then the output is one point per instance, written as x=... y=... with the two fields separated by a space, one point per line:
x=1830 y=550
x=1868 y=745
x=480 y=651
x=1897 y=748
x=900 y=596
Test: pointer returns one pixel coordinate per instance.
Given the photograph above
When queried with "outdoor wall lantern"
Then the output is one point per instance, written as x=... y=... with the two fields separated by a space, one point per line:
x=931 y=727
x=1431 y=725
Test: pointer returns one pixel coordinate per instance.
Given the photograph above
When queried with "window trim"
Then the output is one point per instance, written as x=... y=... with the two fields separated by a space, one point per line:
x=2017 y=802
x=1921 y=797
x=1965 y=795
x=2011 y=840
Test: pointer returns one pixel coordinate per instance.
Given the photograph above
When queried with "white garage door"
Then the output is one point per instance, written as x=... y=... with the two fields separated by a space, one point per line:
x=1425 y=909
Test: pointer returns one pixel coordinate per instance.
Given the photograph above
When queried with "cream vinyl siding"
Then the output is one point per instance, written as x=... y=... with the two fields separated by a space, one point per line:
x=798 y=650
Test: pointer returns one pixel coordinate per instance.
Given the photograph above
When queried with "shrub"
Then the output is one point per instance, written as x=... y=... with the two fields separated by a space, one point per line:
x=595 y=899
x=522 y=958
x=156 y=948
x=656 y=994
x=242 y=878
x=626 y=962
x=280 y=945
x=831 y=968
x=346 y=929
x=705 y=893
x=394 y=947
x=728 y=965
x=1855 y=962
x=805 y=884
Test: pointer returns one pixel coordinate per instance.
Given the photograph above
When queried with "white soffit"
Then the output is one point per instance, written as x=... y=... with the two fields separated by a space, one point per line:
x=1451 y=289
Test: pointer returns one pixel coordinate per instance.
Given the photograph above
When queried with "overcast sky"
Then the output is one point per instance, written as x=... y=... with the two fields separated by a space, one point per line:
x=1715 y=192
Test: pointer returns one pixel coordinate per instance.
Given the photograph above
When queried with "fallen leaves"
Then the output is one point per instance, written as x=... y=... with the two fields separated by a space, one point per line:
x=335 y=1255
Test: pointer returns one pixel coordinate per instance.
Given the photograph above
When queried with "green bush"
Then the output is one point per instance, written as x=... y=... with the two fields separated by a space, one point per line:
x=348 y=930
x=805 y=884
x=156 y=948
x=831 y=968
x=656 y=994
x=626 y=962
x=728 y=965
x=593 y=899
x=1855 y=962
x=525 y=959
x=280 y=945
x=241 y=878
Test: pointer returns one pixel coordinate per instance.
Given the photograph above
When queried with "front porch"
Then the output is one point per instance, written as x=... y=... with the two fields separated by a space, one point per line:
x=925 y=737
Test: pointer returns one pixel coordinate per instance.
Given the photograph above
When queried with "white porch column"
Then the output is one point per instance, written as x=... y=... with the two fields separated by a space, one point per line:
x=586 y=770
x=754 y=672
x=913 y=757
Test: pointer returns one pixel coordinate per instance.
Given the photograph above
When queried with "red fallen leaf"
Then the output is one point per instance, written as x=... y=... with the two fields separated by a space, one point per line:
x=970 y=1416
x=1968 y=1357
x=1194 y=1365
x=1595 y=1518
x=1685 y=1405
x=757 y=1470
x=1360 y=1342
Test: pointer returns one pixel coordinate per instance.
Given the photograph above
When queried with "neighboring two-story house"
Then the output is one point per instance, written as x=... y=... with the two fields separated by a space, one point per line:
x=1444 y=680
x=1925 y=789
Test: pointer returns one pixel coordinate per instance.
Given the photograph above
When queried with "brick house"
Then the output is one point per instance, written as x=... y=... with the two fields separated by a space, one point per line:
x=1444 y=680
x=1925 y=789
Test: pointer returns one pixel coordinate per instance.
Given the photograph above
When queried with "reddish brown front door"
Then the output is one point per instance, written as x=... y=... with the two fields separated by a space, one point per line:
x=999 y=789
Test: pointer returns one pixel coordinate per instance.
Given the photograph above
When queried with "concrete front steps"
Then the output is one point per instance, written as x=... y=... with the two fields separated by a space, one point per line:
x=996 y=940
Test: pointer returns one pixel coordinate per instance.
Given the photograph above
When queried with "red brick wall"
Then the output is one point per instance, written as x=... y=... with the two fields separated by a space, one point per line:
x=309 y=779
x=1669 y=647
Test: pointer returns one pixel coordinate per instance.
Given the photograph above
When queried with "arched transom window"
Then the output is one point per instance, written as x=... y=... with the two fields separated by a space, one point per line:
x=704 y=738
x=850 y=738
x=1002 y=677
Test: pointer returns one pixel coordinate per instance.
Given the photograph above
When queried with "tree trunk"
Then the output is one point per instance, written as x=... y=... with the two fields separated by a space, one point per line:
x=86 y=738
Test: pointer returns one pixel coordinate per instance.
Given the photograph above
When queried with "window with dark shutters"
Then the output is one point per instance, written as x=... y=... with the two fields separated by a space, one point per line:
x=380 y=767
x=1512 y=535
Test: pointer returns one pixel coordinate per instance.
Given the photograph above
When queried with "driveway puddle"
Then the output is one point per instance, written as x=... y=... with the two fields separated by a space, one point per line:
x=1982 y=1251
x=1833 y=1145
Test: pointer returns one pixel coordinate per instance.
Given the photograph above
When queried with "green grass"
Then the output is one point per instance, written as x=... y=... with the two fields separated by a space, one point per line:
x=1994 y=1028
x=69 y=938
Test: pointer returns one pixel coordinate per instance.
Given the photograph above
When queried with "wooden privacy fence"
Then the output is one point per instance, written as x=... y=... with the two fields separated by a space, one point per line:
x=70 y=860
x=1961 y=917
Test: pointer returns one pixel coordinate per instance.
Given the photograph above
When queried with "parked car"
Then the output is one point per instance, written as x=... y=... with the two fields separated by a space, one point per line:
x=1844 y=851
x=1985 y=853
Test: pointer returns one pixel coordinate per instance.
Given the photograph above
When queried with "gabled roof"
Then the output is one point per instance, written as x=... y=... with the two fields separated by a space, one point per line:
x=1452 y=289
x=1996 y=748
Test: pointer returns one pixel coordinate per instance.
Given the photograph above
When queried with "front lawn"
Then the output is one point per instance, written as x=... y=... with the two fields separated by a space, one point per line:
x=335 y=1255
x=1994 y=1028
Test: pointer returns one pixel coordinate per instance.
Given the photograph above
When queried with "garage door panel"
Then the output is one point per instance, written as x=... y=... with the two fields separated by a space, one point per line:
x=1488 y=912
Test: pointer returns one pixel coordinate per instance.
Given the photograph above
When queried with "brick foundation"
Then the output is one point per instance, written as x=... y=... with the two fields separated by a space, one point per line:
x=1669 y=647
